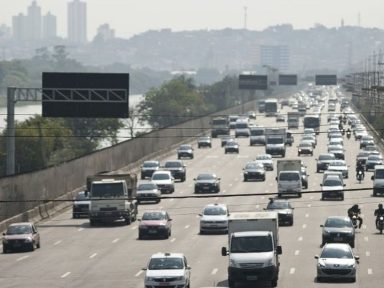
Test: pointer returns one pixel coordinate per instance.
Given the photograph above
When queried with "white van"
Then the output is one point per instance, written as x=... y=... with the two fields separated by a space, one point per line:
x=378 y=180
x=289 y=182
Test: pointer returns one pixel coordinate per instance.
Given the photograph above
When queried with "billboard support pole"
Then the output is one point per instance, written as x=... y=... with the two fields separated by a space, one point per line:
x=10 y=133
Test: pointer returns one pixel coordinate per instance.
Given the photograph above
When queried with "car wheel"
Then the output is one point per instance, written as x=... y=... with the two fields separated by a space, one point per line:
x=225 y=151
x=128 y=220
x=353 y=279
x=279 y=195
x=182 y=179
x=245 y=179
x=92 y=222
x=264 y=178
x=201 y=232
x=74 y=216
x=274 y=282
x=319 y=279
x=298 y=154
x=352 y=244
x=5 y=249
x=38 y=245
x=32 y=247
x=291 y=222
x=140 y=235
x=142 y=177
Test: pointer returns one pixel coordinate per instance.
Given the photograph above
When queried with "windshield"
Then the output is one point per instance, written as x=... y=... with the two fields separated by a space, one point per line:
x=263 y=157
x=311 y=122
x=147 y=186
x=338 y=223
x=205 y=177
x=379 y=174
x=305 y=145
x=289 y=176
x=326 y=157
x=160 y=176
x=215 y=211
x=251 y=244
x=258 y=132
x=19 y=229
x=278 y=205
x=153 y=216
x=150 y=164
x=254 y=166
x=106 y=190
x=275 y=140
x=241 y=125
x=165 y=263
x=332 y=182
x=341 y=253
x=172 y=164
x=185 y=148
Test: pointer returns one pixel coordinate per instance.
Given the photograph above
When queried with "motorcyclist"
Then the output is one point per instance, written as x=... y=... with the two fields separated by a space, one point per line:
x=359 y=167
x=355 y=210
x=341 y=126
x=379 y=212
x=348 y=133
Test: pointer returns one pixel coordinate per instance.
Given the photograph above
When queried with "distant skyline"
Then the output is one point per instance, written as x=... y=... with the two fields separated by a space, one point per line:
x=130 y=17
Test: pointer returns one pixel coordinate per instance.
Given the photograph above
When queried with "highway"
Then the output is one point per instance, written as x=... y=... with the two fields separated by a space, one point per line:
x=73 y=254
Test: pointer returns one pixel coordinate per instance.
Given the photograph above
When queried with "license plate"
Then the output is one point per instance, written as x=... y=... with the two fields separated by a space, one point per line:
x=252 y=277
x=338 y=238
x=164 y=283
x=152 y=231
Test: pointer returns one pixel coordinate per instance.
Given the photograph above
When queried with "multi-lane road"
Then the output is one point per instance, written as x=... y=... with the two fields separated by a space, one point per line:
x=73 y=254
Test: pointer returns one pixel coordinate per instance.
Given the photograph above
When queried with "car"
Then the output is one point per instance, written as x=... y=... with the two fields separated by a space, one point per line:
x=362 y=156
x=80 y=207
x=266 y=160
x=148 y=191
x=304 y=177
x=167 y=270
x=225 y=139
x=359 y=133
x=207 y=182
x=372 y=161
x=254 y=170
x=23 y=235
x=177 y=168
x=155 y=223
x=370 y=148
x=214 y=218
x=339 y=165
x=231 y=147
x=338 y=229
x=164 y=181
x=305 y=147
x=257 y=135
x=280 y=118
x=332 y=187
x=185 y=151
x=309 y=138
x=309 y=131
x=366 y=140
x=283 y=208
x=251 y=114
x=323 y=161
x=335 y=141
x=148 y=168
x=337 y=150
x=336 y=261
x=204 y=141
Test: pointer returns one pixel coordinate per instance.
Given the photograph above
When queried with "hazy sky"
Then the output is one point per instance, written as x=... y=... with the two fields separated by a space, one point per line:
x=129 y=17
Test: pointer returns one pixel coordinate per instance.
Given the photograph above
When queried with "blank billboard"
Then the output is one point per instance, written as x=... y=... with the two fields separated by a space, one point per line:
x=88 y=95
x=253 y=82
x=287 y=79
x=326 y=80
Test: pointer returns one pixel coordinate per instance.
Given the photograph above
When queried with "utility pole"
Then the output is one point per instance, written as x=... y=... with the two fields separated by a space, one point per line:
x=245 y=17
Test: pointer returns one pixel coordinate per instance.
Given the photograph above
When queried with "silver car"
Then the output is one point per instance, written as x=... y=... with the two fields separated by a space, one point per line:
x=214 y=218
x=336 y=261
x=266 y=160
x=148 y=191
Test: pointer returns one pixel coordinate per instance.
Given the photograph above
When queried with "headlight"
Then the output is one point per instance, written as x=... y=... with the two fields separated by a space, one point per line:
x=268 y=263
x=5 y=241
x=143 y=227
x=351 y=266
x=233 y=264
x=321 y=264
x=300 y=149
x=325 y=232
x=29 y=239
x=150 y=278
x=179 y=278
x=245 y=172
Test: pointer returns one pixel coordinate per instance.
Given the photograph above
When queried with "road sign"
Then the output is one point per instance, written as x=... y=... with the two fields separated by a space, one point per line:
x=326 y=80
x=287 y=79
x=253 y=82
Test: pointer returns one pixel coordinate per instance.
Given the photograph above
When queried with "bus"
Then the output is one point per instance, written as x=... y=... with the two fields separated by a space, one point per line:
x=271 y=107
x=312 y=121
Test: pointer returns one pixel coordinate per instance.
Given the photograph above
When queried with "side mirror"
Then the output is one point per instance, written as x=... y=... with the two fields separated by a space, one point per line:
x=321 y=185
x=224 y=251
x=373 y=177
x=4 y=234
x=316 y=256
x=200 y=214
x=357 y=258
x=144 y=269
x=188 y=267
x=321 y=225
x=139 y=220
x=194 y=179
x=279 y=250
x=344 y=185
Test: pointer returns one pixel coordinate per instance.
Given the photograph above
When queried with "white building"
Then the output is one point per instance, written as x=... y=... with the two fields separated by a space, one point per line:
x=49 y=26
x=77 y=21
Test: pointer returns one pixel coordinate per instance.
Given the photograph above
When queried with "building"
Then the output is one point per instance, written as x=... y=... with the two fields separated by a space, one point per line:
x=19 y=27
x=77 y=22
x=276 y=56
x=105 y=33
x=34 y=21
x=49 y=26
x=5 y=31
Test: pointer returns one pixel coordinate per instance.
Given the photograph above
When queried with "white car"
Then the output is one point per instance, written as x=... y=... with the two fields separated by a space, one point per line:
x=214 y=218
x=164 y=181
x=148 y=191
x=338 y=165
x=336 y=261
x=266 y=160
x=167 y=270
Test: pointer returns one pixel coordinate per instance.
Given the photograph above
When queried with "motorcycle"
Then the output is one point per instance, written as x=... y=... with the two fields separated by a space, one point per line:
x=354 y=220
x=360 y=176
x=348 y=135
x=380 y=224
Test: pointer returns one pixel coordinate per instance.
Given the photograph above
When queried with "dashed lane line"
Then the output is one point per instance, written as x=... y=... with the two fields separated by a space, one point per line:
x=300 y=238
x=93 y=255
x=297 y=252
x=309 y=205
x=138 y=273
x=115 y=240
x=292 y=270
x=370 y=272
x=304 y=226
x=80 y=229
x=366 y=239
x=306 y=215
x=65 y=275
x=134 y=227
x=367 y=253
x=173 y=240
x=57 y=243
x=187 y=226
x=214 y=271
x=22 y=258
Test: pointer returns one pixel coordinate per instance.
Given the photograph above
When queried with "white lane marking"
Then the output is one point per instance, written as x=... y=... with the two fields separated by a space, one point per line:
x=271 y=184
x=57 y=243
x=257 y=206
x=306 y=215
x=311 y=197
x=93 y=255
x=262 y=197
x=304 y=226
x=212 y=156
x=161 y=207
x=366 y=239
x=115 y=241
x=181 y=192
x=230 y=185
x=297 y=252
x=367 y=253
x=172 y=199
x=80 y=229
x=187 y=226
x=216 y=198
x=292 y=270
x=22 y=258
x=300 y=238
x=173 y=239
x=65 y=274
x=198 y=216
x=309 y=205
x=139 y=273
x=134 y=227
x=370 y=272
x=364 y=226
x=214 y=271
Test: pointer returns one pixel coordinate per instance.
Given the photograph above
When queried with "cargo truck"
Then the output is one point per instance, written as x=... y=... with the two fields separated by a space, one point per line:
x=219 y=126
x=112 y=197
x=275 y=140
x=289 y=177
x=293 y=120
x=253 y=247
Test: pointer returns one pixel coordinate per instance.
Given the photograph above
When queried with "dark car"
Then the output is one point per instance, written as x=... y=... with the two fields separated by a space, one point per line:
x=177 y=168
x=338 y=229
x=323 y=161
x=283 y=209
x=254 y=171
x=155 y=223
x=148 y=167
x=204 y=141
x=231 y=147
x=80 y=207
x=185 y=151
x=207 y=182
x=22 y=235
